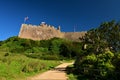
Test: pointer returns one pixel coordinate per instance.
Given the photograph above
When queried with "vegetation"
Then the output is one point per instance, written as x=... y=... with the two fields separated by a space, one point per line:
x=15 y=66
x=23 y=57
x=53 y=49
x=99 y=57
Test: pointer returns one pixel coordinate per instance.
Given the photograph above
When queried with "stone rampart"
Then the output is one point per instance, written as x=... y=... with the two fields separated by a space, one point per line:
x=44 y=32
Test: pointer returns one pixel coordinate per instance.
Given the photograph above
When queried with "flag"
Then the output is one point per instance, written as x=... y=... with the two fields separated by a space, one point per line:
x=26 y=18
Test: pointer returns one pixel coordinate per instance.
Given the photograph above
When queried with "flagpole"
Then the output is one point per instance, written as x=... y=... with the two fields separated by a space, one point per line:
x=74 y=28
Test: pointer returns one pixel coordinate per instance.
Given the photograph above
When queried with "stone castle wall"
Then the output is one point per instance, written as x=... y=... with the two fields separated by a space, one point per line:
x=44 y=32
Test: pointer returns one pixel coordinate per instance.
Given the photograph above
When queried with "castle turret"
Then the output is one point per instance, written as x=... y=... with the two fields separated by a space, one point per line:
x=42 y=23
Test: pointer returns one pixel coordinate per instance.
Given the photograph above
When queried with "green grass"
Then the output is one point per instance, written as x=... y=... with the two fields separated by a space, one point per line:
x=72 y=77
x=70 y=73
x=17 y=66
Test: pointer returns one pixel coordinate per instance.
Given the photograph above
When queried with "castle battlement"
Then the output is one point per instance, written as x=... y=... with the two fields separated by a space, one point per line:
x=44 y=32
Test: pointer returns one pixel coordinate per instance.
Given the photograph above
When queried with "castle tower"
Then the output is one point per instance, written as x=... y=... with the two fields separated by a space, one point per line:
x=42 y=23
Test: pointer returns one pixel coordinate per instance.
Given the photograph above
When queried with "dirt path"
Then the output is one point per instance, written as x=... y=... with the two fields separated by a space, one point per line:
x=56 y=74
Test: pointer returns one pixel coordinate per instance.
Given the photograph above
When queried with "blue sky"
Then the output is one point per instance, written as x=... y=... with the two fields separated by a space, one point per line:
x=81 y=14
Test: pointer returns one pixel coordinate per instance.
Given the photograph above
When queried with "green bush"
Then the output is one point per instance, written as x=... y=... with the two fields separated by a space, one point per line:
x=33 y=66
x=35 y=55
x=95 y=66
x=70 y=49
x=50 y=57
x=55 y=44
x=116 y=63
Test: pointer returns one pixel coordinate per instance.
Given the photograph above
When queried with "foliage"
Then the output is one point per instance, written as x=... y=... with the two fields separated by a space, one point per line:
x=99 y=56
x=106 y=36
x=70 y=49
x=0 y=43
x=55 y=45
x=72 y=77
x=54 y=48
x=95 y=66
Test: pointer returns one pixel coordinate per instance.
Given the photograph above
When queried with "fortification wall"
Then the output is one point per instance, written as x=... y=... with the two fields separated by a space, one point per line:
x=74 y=36
x=44 y=32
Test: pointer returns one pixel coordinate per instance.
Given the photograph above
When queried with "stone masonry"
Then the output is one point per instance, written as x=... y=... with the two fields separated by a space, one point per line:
x=44 y=32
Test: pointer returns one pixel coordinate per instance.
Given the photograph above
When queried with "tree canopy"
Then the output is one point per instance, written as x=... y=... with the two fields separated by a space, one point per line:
x=99 y=58
x=106 y=36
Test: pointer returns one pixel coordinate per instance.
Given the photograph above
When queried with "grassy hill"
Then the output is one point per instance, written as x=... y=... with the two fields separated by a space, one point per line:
x=17 y=66
x=20 y=58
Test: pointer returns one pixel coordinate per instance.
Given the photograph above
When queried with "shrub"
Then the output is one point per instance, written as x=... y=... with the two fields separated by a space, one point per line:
x=95 y=66
x=50 y=57
x=55 y=44
x=33 y=66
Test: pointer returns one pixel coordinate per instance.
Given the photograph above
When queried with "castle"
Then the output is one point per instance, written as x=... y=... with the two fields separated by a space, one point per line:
x=44 y=32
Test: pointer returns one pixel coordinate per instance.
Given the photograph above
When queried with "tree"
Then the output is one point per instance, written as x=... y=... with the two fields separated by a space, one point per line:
x=107 y=35
x=102 y=44
x=110 y=32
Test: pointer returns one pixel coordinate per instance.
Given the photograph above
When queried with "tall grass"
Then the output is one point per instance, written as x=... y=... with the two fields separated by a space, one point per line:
x=16 y=66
